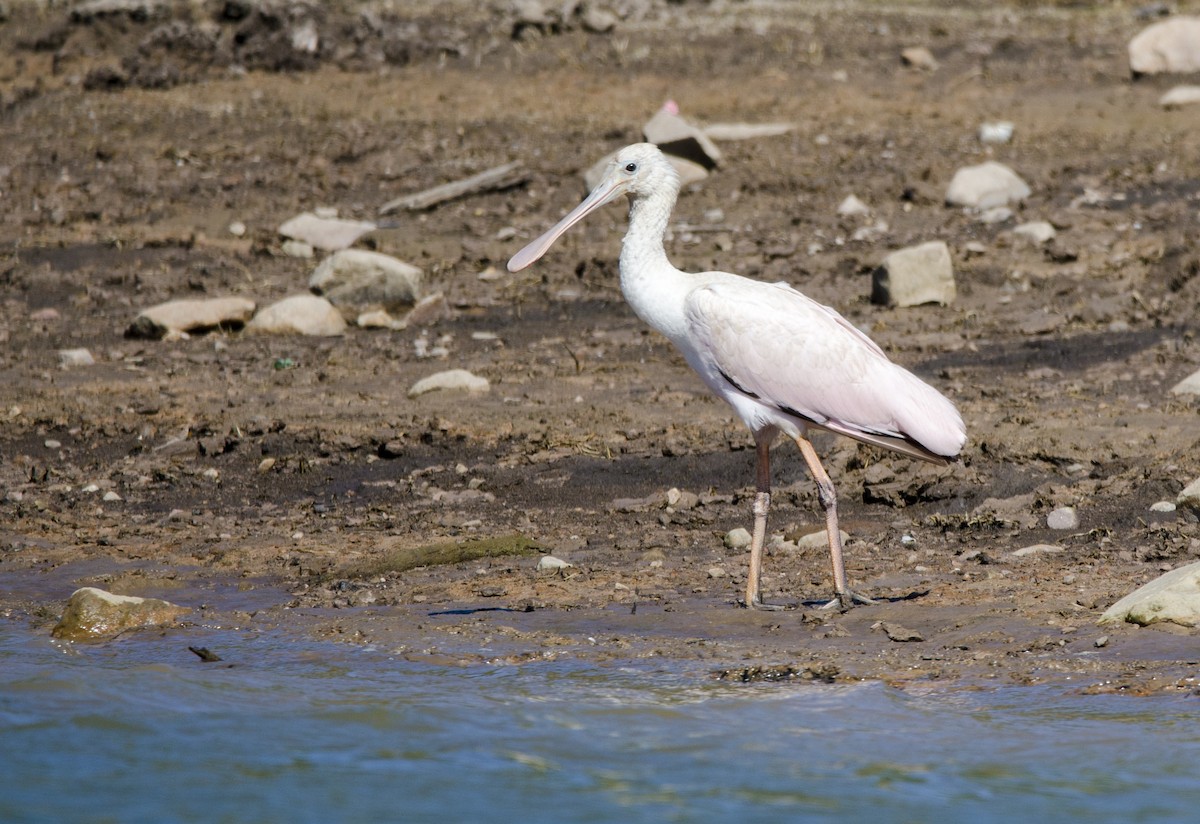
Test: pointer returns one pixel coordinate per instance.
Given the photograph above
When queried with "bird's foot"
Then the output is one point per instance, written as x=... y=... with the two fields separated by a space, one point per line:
x=846 y=600
x=758 y=603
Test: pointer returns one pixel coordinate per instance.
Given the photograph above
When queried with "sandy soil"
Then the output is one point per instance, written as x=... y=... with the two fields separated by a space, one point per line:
x=132 y=140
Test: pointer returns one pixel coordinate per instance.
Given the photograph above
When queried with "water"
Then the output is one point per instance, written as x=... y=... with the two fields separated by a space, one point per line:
x=142 y=731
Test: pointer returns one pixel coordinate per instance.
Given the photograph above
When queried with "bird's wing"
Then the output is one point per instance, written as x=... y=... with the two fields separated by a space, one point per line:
x=784 y=349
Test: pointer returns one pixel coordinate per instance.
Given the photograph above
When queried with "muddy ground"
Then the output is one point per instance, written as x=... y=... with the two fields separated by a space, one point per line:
x=132 y=139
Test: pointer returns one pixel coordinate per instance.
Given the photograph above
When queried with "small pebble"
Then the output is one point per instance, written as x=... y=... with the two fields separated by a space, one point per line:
x=1063 y=518
x=1163 y=506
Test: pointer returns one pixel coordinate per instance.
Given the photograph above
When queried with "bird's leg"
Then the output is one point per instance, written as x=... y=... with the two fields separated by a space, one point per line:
x=827 y=495
x=762 y=503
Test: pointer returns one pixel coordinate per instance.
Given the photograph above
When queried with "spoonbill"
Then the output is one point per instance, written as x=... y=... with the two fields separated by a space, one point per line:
x=785 y=363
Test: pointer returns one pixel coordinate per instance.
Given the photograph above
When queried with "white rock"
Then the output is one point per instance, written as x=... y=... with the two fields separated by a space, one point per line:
x=1190 y=496
x=1170 y=46
x=737 y=538
x=378 y=319
x=451 y=379
x=111 y=496
x=329 y=234
x=1036 y=232
x=679 y=138
x=996 y=214
x=1173 y=597
x=999 y=132
x=818 y=540
x=1036 y=549
x=191 y=316
x=919 y=57
x=852 y=206
x=299 y=314
x=357 y=276
x=986 y=185
x=298 y=249
x=1180 y=96
x=916 y=275
x=75 y=357
x=717 y=572
x=1188 y=386
x=549 y=562
x=1063 y=518
x=1163 y=506
x=746 y=131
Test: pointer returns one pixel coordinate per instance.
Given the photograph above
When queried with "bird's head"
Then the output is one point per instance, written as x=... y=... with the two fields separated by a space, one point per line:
x=638 y=171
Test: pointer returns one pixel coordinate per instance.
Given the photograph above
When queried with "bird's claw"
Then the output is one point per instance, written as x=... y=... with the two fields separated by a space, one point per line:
x=758 y=603
x=846 y=600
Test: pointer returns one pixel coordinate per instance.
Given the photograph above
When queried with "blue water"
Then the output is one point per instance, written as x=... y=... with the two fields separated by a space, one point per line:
x=142 y=731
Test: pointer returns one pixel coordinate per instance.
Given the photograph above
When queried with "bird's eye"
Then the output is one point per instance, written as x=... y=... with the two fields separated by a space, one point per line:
x=631 y=167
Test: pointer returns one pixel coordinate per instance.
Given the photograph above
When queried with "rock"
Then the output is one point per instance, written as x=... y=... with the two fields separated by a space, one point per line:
x=900 y=634
x=299 y=314
x=452 y=379
x=1174 y=597
x=356 y=277
x=852 y=206
x=298 y=249
x=738 y=538
x=550 y=563
x=717 y=572
x=746 y=131
x=75 y=357
x=379 y=319
x=1188 y=386
x=1063 y=518
x=916 y=275
x=1180 y=96
x=818 y=540
x=986 y=185
x=1163 y=506
x=919 y=57
x=1037 y=549
x=429 y=310
x=1170 y=46
x=996 y=133
x=1190 y=496
x=1036 y=232
x=597 y=20
x=191 y=316
x=996 y=214
x=679 y=138
x=93 y=614
x=325 y=233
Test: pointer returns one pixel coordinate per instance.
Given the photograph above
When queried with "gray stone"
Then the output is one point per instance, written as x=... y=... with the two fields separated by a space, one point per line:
x=191 y=316
x=429 y=310
x=818 y=540
x=1188 y=386
x=325 y=233
x=299 y=315
x=93 y=614
x=986 y=185
x=357 y=277
x=916 y=275
x=1173 y=597
x=1180 y=96
x=1170 y=46
x=451 y=379
x=738 y=538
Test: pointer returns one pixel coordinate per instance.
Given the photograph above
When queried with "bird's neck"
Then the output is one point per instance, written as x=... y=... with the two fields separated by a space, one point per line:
x=642 y=251
x=652 y=286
